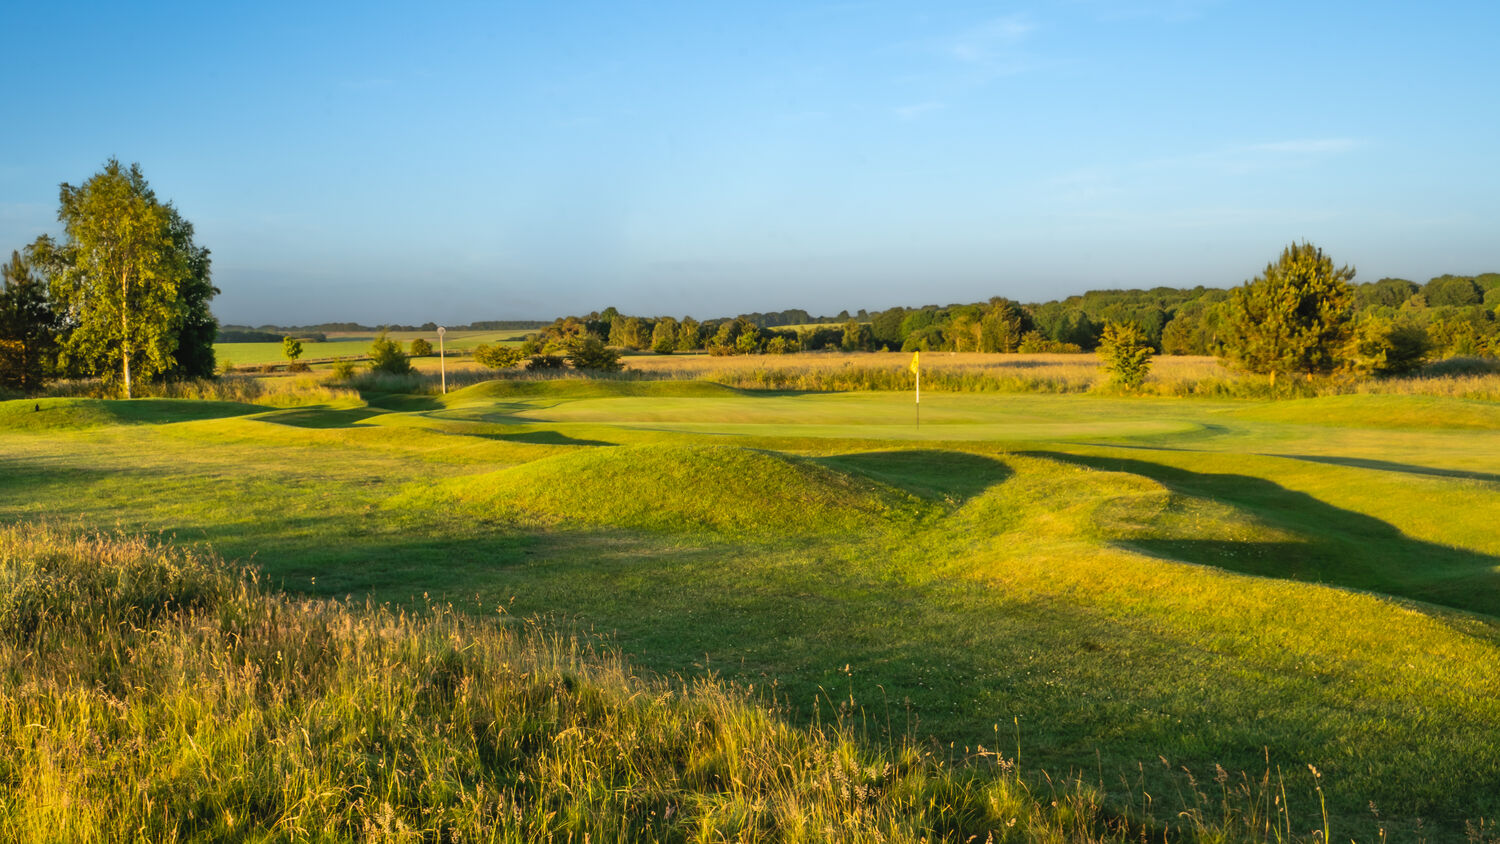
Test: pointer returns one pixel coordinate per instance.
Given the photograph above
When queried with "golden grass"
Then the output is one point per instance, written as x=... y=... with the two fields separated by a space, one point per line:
x=153 y=694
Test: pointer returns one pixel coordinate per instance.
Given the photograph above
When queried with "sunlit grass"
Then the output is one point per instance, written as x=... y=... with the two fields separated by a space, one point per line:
x=155 y=694
x=1128 y=578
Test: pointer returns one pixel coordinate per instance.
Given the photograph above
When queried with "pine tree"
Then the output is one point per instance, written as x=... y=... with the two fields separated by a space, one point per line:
x=1294 y=317
x=28 y=328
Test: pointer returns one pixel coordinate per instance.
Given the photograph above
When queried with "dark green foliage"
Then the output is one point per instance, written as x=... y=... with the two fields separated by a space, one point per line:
x=689 y=336
x=386 y=356
x=28 y=328
x=664 y=336
x=589 y=353
x=544 y=363
x=420 y=348
x=822 y=337
x=886 y=327
x=749 y=340
x=929 y=338
x=1057 y=321
x=1452 y=290
x=497 y=356
x=1125 y=353
x=857 y=337
x=196 y=328
x=1387 y=292
x=1382 y=345
x=1294 y=317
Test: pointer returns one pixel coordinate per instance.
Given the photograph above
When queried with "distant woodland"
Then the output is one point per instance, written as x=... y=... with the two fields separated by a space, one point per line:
x=1457 y=315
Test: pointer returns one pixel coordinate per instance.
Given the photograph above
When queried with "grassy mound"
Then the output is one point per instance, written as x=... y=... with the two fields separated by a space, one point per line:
x=49 y=414
x=169 y=699
x=675 y=488
x=1382 y=411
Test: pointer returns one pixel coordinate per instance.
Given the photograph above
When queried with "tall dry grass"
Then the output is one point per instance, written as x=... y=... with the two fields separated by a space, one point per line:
x=150 y=693
x=271 y=391
x=1047 y=373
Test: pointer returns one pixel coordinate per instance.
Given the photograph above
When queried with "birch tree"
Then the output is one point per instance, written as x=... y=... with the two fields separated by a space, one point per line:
x=120 y=277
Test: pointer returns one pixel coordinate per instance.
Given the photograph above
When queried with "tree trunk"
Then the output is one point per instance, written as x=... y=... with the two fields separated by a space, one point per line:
x=125 y=326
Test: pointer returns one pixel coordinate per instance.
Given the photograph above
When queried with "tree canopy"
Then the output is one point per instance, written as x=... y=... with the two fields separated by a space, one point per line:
x=27 y=327
x=1294 y=317
x=131 y=285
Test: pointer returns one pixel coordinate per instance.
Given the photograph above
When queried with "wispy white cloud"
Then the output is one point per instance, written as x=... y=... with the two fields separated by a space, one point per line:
x=916 y=110
x=991 y=42
x=1166 y=11
x=1306 y=146
x=1254 y=157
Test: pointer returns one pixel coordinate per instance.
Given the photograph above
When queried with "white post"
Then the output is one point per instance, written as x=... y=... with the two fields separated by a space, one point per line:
x=442 y=360
x=919 y=397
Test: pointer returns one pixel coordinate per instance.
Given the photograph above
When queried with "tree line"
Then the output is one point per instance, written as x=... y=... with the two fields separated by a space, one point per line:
x=1325 y=321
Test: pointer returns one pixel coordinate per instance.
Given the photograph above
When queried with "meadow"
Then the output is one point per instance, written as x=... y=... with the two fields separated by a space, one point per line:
x=356 y=345
x=1157 y=597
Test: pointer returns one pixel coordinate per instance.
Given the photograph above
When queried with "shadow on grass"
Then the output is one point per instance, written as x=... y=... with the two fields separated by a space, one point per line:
x=1338 y=546
x=321 y=417
x=1388 y=466
x=540 y=438
x=401 y=402
x=952 y=476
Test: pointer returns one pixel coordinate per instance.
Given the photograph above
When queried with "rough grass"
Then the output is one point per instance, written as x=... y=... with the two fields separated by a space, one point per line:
x=155 y=694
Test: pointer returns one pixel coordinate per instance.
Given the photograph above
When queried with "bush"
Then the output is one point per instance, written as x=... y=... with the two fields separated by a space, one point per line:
x=590 y=353
x=298 y=366
x=497 y=356
x=386 y=356
x=542 y=363
x=343 y=370
x=420 y=348
x=1125 y=354
x=1381 y=346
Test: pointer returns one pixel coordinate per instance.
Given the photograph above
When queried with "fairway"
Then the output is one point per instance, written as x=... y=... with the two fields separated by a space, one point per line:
x=1109 y=583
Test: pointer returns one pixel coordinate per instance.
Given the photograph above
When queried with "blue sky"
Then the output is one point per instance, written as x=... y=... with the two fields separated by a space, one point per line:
x=455 y=161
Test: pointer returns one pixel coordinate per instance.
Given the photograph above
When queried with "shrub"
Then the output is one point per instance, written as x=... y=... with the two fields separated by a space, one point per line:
x=497 y=356
x=420 y=348
x=1382 y=346
x=386 y=356
x=298 y=366
x=543 y=363
x=590 y=353
x=1125 y=354
x=343 y=370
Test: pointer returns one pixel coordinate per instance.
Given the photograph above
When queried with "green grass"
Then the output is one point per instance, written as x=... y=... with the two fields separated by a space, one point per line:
x=1205 y=582
x=357 y=345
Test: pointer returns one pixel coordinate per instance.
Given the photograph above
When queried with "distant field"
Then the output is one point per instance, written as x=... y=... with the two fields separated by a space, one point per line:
x=350 y=344
x=1123 y=581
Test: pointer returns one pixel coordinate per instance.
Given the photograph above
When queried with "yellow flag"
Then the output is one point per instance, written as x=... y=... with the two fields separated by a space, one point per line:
x=914 y=361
